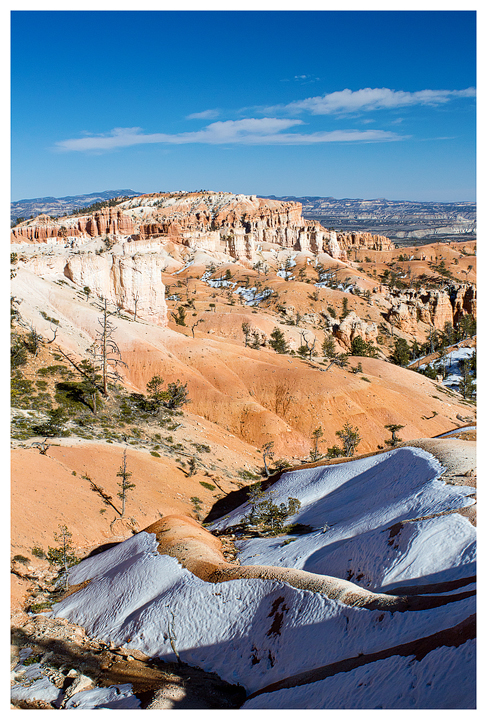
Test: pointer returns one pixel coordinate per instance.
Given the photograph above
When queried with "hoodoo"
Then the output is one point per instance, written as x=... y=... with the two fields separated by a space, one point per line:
x=217 y=221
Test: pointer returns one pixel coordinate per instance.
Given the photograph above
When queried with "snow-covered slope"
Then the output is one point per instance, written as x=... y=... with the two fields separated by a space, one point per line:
x=360 y=505
x=387 y=525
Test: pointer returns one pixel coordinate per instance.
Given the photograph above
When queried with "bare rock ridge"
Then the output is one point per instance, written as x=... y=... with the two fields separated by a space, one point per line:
x=234 y=224
x=201 y=552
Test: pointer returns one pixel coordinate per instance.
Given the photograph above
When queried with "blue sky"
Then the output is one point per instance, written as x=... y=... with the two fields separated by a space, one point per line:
x=344 y=104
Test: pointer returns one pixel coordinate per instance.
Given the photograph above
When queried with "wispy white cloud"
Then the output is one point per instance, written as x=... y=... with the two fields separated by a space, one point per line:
x=250 y=131
x=368 y=99
x=274 y=130
x=302 y=79
x=204 y=115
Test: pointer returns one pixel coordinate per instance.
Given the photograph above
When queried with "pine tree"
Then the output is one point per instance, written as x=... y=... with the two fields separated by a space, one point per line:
x=415 y=350
x=179 y=316
x=278 y=342
x=466 y=385
x=125 y=485
x=176 y=395
x=155 y=393
x=350 y=439
x=361 y=348
x=266 y=514
x=106 y=353
x=328 y=348
x=317 y=434
x=246 y=332
x=267 y=452
x=173 y=397
x=393 y=429
x=401 y=354
x=63 y=555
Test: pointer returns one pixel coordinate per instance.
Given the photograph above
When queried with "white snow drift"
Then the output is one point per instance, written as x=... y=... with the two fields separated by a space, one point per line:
x=387 y=529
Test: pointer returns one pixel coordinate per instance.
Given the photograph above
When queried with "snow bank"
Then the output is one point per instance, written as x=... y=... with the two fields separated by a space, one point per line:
x=252 y=296
x=382 y=515
x=452 y=364
x=32 y=683
x=468 y=428
x=35 y=685
x=115 y=697
x=444 y=679
x=258 y=631
x=253 y=632
x=365 y=494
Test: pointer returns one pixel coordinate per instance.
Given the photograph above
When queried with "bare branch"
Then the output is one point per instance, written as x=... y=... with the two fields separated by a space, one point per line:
x=79 y=369
x=43 y=446
x=54 y=330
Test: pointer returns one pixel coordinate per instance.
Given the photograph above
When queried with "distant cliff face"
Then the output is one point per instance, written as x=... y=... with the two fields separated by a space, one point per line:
x=107 y=221
x=219 y=222
x=365 y=240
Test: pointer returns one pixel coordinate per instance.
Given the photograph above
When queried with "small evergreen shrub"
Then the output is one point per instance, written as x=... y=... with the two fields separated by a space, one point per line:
x=208 y=486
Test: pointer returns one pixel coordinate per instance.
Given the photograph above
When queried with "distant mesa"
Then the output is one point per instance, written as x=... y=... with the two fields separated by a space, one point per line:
x=216 y=221
x=64 y=205
x=403 y=221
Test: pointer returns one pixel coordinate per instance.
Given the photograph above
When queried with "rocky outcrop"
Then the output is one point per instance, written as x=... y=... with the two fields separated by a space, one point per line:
x=232 y=224
x=351 y=327
x=131 y=283
x=432 y=307
x=42 y=229
x=464 y=301
x=404 y=315
x=239 y=244
x=107 y=221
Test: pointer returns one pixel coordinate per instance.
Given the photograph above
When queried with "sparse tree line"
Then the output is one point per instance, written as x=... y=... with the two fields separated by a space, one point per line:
x=86 y=384
x=268 y=517
x=436 y=341
x=83 y=210
x=307 y=349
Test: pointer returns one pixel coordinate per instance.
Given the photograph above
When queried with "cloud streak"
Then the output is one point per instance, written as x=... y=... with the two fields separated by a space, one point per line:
x=250 y=131
x=271 y=130
x=204 y=115
x=369 y=99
